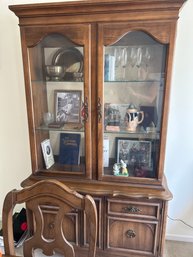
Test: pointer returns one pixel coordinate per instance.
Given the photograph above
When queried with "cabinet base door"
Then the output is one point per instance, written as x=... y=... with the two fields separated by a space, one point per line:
x=132 y=236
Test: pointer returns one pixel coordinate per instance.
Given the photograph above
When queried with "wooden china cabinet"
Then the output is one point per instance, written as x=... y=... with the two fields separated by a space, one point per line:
x=97 y=81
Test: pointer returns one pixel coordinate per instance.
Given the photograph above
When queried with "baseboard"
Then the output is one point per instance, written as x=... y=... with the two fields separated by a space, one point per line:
x=182 y=238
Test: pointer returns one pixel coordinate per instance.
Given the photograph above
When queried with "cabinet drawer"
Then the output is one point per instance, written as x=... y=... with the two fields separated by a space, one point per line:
x=134 y=208
x=132 y=236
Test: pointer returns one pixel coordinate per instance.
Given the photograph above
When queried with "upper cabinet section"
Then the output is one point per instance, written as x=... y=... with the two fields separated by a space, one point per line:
x=133 y=75
x=57 y=61
x=97 y=77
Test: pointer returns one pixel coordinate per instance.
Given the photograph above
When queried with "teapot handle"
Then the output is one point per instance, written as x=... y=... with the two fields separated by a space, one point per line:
x=129 y=116
x=142 y=117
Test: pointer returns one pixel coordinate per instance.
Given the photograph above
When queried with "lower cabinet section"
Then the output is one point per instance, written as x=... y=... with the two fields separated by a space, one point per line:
x=131 y=235
x=133 y=227
x=126 y=227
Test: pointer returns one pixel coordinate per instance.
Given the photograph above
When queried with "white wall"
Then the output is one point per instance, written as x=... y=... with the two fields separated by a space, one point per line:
x=179 y=154
x=15 y=162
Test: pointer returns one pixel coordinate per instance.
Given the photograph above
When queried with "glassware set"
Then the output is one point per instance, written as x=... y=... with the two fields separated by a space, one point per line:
x=131 y=63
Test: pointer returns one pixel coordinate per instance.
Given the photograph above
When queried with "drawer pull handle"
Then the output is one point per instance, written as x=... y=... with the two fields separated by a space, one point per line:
x=130 y=233
x=131 y=209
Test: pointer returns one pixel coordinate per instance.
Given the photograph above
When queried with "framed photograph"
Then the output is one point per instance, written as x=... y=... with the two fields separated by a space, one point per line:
x=68 y=106
x=150 y=115
x=115 y=114
x=133 y=152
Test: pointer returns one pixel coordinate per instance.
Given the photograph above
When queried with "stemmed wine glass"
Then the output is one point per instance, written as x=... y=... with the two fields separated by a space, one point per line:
x=147 y=58
x=133 y=57
x=124 y=60
x=139 y=62
x=117 y=55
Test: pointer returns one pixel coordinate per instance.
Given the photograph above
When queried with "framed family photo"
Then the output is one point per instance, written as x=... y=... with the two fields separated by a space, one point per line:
x=133 y=152
x=68 y=106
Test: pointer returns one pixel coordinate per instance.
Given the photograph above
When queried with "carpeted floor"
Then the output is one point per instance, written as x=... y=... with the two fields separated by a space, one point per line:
x=178 y=249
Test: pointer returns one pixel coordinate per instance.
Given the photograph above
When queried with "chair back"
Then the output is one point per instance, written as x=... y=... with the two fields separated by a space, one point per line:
x=56 y=197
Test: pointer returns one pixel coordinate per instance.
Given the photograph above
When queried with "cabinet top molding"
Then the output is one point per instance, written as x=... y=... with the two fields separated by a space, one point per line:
x=90 y=7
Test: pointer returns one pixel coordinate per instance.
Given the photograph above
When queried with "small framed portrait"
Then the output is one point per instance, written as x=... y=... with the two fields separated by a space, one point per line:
x=133 y=152
x=68 y=106
x=115 y=114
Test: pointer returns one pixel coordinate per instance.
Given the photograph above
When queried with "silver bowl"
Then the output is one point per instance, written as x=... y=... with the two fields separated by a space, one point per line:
x=55 y=72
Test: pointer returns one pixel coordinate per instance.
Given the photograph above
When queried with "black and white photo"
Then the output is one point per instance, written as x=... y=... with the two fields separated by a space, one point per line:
x=68 y=106
x=133 y=152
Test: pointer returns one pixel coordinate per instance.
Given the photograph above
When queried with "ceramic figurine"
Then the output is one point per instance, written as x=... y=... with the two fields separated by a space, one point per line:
x=124 y=170
x=116 y=169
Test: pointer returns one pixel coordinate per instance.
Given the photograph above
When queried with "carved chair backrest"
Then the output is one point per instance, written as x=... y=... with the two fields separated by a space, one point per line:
x=56 y=197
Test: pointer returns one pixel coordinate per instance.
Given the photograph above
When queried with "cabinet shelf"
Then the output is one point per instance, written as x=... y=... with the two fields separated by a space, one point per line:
x=70 y=169
x=66 y=127
x=63 y=80
x=142 y=135
x=133 y=81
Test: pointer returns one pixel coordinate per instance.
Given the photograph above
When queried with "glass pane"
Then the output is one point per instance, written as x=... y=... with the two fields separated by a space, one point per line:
x=57 y=83
x=134 y=71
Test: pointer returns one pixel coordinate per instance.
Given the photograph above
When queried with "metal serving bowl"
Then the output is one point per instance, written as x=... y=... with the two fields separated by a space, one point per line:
x=55 y=72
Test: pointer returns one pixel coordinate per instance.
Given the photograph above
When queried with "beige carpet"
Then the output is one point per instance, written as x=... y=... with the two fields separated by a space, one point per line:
x=178 y=249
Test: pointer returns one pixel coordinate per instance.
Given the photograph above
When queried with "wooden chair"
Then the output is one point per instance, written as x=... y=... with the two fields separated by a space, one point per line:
x=63 y=200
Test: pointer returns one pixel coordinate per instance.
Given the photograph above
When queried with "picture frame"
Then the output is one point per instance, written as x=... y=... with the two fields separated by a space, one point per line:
x=47 y=153
x=135 y=153
x=150 y=115
x=68 y=106
x=114 y=114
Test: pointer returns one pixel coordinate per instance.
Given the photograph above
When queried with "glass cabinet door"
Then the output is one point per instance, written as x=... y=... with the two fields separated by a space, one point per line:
x=133 y=80
x=59 y=96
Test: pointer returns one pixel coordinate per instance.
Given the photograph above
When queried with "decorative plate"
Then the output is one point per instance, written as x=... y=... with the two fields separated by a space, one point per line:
x=71 y=58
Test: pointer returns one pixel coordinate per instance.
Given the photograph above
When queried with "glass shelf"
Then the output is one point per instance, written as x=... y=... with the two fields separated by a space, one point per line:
x=64 y=80
x=66 y=127
x=142 y=135
x=57 y=81
x=136 y=81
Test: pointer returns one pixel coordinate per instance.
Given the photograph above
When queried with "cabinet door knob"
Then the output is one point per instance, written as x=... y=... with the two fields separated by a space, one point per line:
x=99 y=109
x=130 y=233
x=131 y=209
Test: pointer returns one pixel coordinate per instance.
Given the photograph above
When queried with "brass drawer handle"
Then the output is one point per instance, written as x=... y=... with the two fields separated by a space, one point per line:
x=130 y=233
x=131 y=209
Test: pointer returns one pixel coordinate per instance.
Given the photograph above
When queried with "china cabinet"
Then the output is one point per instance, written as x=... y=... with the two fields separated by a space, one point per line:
x=97 y=81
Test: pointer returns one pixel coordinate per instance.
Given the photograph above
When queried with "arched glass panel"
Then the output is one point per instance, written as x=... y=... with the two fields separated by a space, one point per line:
x=134 y=72
x=57 y=95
